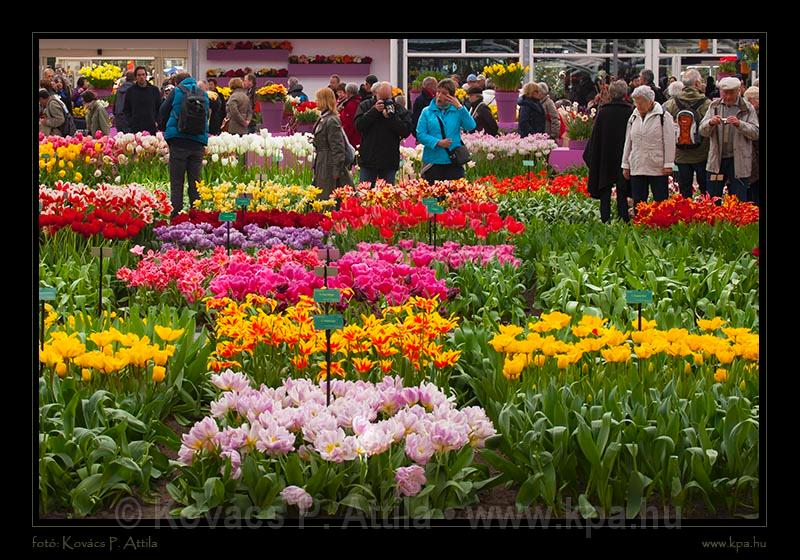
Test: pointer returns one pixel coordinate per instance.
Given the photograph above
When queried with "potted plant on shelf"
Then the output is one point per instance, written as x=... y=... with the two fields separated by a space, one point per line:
x=507 y=79
x=728 y=67
x=102 y=78
x=306 y=116
x=271 y=98
x=579 y=126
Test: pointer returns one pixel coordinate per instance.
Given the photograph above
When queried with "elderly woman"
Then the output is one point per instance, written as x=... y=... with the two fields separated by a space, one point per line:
x=753 y=194
x=604 y=152
x=674 y=89
x=347 y=108
x=649 y=152
x=330 y=169
x=531 y=111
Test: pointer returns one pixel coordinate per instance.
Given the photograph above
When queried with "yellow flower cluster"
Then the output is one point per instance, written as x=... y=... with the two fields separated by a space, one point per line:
x=225 y=91
x=415 y=331
x=266 y=195
x=461 y=93
x=615 y=346
x=113 y=351
x=101 y=76
x=396 y=91
x=272 y=92
x=79 y=112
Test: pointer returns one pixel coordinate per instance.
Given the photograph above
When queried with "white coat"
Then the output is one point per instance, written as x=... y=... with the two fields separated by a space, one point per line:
x=649 y=146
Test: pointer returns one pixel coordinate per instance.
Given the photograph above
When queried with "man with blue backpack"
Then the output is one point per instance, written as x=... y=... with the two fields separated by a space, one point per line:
x=688 y=109
x=186 y=133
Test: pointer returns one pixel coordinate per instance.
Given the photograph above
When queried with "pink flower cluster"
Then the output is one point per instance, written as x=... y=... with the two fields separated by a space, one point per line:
x=455 y=255
x=287 y=283
x=363 y=419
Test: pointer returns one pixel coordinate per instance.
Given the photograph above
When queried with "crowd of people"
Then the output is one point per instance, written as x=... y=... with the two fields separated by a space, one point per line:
x=641 y=133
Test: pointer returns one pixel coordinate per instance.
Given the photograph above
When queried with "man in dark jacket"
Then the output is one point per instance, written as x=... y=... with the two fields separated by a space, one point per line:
x=425 y=97
x=142 y=102
x=295 y=89
x=216 y=106
x=603 y=153
x=383 y=125
x=647 y=78
x=119 y=103
x=365 y=91
x=481 y=113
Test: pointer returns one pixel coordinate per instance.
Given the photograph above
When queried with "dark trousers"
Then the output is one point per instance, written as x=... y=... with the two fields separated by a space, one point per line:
x=372 y=174
x=184 y=164
x=736 y=187
x=623 y=189
x=686 y=172
x=753 y=194
x=642 y=184
x=444 y=172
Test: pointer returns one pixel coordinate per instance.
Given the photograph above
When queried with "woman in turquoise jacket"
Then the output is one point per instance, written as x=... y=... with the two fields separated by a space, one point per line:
x=186 y=151
x=445 y=110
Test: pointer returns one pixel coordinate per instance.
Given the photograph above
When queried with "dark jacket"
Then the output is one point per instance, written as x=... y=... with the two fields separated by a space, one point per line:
x=660 y=97
x=531 y=116
x=297 y=91
x=64 y=96
x=172 y=131
x=684 y=100
x=119 y=107
x=218 y=112
x=420 y=103
x=364 y=94
x=347 y=114
x=603 y=153
x=330 y=171
x=141 y=108
x=381 y=136
x=484 y=120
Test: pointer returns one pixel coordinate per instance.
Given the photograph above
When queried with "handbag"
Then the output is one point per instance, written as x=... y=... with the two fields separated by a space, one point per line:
x=458 y=156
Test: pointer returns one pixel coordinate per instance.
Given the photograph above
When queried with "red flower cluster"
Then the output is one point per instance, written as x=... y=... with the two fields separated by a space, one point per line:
x=249 y=45
x=262 y=219
x=704 y=210
x=242 y=72
x=561 y=185
x=97 y=222
x=330 y=59
x=306 y=105
x=482 y=218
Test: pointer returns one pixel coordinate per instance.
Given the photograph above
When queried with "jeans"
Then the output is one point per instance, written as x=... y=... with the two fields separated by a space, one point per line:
x=444 y=172
x=372 y=174
x=640 y=184
x=184 y=163
x=686 y=172
x=753 y=194
x=623 y=189
x=736 y=187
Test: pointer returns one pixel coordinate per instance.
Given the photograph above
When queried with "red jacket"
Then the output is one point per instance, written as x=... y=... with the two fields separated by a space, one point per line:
x=347 y=114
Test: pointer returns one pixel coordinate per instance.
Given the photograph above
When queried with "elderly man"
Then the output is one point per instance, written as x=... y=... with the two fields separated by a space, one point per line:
x=732 y=125
x=552 y=123
x=334 y=81
x=472 y=81
x=425 y=97
x=688 y=107
x=479 y=111
x=649 y=151
x=383 y=125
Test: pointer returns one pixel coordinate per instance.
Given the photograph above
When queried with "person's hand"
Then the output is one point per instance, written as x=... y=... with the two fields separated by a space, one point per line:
x=733 y=120
x=626 y=173
x=667 y=171
x=444 y=143
x=454 y=101
x=379 y=106
x=715 y=120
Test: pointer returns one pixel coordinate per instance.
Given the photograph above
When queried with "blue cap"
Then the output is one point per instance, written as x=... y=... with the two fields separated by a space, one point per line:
x=472 y=78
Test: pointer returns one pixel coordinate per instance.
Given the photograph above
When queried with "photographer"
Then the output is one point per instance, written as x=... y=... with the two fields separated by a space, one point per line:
x=383 y=125
x=444 y=112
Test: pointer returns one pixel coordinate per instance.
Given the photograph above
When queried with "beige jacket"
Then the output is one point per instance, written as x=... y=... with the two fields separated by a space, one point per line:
x=238 y=111
x=743 y=137
x=54 y=114
x=649 y=146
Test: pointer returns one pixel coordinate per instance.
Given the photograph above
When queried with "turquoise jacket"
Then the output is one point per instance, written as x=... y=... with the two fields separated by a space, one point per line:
x=172 y=124
x=429 y=132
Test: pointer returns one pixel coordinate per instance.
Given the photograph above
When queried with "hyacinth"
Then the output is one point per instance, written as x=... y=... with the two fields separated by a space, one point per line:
x=204 y=236
x=509 y=145
x=410 y=480
x=422 y=420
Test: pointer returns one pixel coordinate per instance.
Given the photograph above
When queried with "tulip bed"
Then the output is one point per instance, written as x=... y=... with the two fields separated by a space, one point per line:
x=502 y=356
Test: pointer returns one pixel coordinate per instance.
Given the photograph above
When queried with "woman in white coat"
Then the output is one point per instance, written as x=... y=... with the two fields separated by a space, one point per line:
x=649 y=147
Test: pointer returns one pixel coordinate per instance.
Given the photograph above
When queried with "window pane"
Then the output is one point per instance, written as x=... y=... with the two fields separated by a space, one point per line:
x=434 y=45
x=493 y=45
x=562 y=75
x=560 y=46
x=685 y=45
x=441 y=67
x=624 y=46
x=727 y=46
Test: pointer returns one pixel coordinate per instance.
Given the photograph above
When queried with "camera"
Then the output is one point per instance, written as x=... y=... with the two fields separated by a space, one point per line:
x=388 y=105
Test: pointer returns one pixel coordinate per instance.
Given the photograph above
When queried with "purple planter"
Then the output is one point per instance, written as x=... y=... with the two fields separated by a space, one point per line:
x=579 y=145
x=328 y=69
x=253 y=55
x=506 y=106
x=304 y=127
x=102 y=93
x=271 y=114
x=259 y=81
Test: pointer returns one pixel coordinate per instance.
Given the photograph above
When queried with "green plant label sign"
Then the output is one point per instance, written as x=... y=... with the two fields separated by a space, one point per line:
x=332 y=271
x=107 y=251
x=243 y=201
x=639 y=296
x=429 y=201
x=328 y=322
x=528 y=163
x=436 y=209
x=47 y=294
x=330 y=295
x=227 y=216
x=322 y=254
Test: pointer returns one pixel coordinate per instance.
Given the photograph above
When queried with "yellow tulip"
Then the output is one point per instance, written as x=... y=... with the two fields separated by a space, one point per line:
x=167 y=334
x=158 y=373
x=61 y=369
x=721 y=375
x=86 y=374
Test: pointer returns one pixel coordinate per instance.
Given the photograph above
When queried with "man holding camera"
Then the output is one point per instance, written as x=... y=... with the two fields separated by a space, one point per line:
x=732 y=124
x=383 y=125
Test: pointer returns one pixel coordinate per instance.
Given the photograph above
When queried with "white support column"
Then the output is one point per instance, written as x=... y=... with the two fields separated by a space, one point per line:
x=394 y=76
